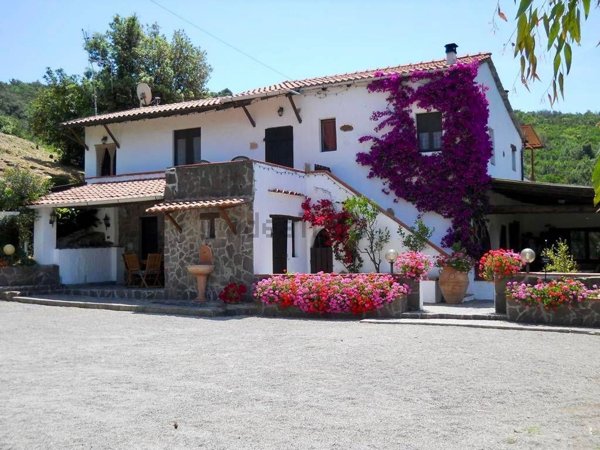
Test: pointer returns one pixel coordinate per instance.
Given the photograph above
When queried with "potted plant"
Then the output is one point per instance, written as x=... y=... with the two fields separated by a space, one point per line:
x=454 y=275
x=412 y=267
x=497 y=266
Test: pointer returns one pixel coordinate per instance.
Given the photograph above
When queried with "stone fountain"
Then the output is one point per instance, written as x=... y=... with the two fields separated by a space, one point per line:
x=203 y=270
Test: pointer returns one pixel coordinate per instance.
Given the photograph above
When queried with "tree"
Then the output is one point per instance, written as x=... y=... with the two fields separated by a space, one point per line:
x=128 y=54
x=65 y=97
x=364 y=218
x=561 y=20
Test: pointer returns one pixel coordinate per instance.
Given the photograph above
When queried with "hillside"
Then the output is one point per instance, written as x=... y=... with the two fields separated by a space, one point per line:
x=572 y=145
x=17 y=152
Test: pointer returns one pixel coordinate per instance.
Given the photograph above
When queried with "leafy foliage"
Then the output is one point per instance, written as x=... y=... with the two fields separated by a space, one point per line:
x=416 y=239
x=559 y=257
x=452 y=182
x=365 y=214
x=15 y=97
x=572 y=145
x=129 y=53
x=561 y=20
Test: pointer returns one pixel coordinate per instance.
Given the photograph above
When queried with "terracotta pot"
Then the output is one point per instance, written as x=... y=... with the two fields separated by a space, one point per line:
x=453 y=284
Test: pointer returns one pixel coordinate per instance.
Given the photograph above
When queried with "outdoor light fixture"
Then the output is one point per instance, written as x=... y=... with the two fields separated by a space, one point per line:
x=280 y=111
x=9 y=249
x=527 y=256
x=390 y=256
x=52 y=218
x=106 y=221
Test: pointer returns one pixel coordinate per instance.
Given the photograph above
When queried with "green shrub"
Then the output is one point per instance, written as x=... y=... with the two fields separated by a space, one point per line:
x=559 y=258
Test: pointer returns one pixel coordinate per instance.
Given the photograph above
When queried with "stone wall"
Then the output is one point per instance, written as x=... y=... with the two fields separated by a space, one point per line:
x=585 y=314
x=233 y=253
x=29 y=276
x=130 y=227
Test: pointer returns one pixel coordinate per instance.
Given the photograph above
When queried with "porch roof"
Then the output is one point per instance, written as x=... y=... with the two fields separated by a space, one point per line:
x=542 y=197
x=184 y=205
x=105 y=194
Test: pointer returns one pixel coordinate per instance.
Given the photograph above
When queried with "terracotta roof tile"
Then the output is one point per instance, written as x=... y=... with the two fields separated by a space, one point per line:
x=286 y=192
x=532 y=140
x=275 y=89
x=184 y=205
x=106 y=193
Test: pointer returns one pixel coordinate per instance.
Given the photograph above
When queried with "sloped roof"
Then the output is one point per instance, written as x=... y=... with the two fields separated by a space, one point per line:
x=106 y=194
x=267 y=91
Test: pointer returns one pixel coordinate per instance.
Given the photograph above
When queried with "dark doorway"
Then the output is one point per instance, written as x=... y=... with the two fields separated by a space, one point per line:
x=149 y=236
x=321 y=254
x=280 y=226
x=279 y=146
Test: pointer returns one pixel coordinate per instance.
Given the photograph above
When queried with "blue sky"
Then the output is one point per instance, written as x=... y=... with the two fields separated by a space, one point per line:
x=297 y=38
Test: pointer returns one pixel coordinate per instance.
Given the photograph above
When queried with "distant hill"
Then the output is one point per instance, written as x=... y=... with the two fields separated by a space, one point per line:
x=18 y=152
x=572 y=146
x=15 y=97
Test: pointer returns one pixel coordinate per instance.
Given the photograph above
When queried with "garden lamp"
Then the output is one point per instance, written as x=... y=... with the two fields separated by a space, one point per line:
x=9 y=249
x=527 y=256
x=390 y=256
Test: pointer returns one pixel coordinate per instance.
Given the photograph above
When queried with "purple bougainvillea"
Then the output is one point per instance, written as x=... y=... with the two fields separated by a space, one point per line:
x=452 y=182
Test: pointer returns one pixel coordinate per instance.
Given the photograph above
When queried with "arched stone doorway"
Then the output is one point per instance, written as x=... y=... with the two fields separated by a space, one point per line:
x=321 y=254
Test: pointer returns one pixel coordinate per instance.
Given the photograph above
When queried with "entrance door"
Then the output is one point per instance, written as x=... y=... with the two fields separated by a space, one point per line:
x=279 y=234
x=149 y=236
x=321 y=254
x=279 y=146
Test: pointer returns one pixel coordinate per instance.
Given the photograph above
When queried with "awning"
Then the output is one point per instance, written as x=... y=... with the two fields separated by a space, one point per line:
x=112 y=193
x=221 y=204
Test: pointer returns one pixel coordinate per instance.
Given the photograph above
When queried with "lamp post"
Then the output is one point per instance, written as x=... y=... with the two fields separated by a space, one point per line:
x=390 y=256
x=527 y=256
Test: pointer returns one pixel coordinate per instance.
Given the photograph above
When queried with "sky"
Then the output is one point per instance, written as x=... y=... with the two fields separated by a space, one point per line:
x=295 y=39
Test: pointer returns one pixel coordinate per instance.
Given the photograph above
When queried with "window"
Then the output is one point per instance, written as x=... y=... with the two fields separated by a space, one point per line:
x=493 y=157
x=187 y=146
x=106 y=160
x=585 y=244
x=429 y=131
x=328 y=135
x=513 y=152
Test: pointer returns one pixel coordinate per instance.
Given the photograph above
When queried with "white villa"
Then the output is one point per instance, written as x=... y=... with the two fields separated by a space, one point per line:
x=231 y=172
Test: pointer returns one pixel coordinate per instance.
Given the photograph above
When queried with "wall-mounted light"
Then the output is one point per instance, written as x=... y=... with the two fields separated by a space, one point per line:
x=106 y=221
x=104 y=139
x=52 y=218
x=280 y=111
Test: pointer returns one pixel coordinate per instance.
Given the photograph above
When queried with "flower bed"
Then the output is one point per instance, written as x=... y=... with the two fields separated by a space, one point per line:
x=561 y=302
x=330 y=293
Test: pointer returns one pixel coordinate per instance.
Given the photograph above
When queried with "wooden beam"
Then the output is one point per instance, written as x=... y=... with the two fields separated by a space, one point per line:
x=289 y=96
x=173 y=221
x=227 y=219
x=540 y=209
x=73 y=136
x=252 y=121
x=112 y=136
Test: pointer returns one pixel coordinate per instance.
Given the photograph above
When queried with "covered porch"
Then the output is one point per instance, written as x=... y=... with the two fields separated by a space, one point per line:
x=535 y=215
x=109 y=220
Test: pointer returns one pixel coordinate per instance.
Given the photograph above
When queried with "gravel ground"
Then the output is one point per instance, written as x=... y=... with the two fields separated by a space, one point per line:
x=97 y=379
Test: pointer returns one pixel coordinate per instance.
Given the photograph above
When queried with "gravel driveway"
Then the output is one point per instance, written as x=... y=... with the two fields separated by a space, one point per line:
x=97 y=379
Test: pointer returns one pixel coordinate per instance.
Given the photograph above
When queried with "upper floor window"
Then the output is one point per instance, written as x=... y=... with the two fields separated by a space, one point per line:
x=106 y=160
x=328 y=135
x=513 y=152
x=493 y=157
x=429 y=131
x=187 y=146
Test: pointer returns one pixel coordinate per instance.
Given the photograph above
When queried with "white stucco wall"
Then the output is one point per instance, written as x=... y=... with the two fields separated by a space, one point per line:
x=89 y=265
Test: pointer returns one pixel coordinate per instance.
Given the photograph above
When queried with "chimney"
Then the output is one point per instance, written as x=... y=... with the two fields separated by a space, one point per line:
x=450 y=53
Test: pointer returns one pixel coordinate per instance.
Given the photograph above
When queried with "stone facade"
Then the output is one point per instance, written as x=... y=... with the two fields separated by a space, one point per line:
x=585 y=314
x=232 y=252
x=29 y=276
x=130 y=227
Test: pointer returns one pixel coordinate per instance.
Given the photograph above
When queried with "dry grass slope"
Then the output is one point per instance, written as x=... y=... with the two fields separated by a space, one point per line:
x=17 y=152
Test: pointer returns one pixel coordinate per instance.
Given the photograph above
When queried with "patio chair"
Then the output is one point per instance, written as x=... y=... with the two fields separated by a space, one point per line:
x=133 y=268
x=153 y=268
